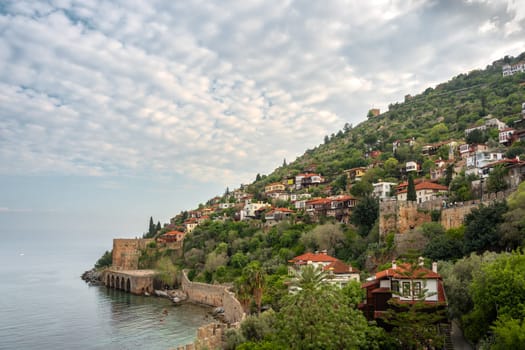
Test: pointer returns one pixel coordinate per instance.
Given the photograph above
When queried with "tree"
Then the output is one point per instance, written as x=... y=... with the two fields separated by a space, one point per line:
x=513 y=228
x=509 y=333
x=498 y=292
x=158 y=227
x=307 y=320
x=496 y=180
x=105 y=260
x=411 y=189
x=476 y=137
x=415 y=325
x=391 y=167
x=481 y=228
x=361 y=189
x=339 y=184
x=365 y=214
x=165 y=271
x=151 y=230
x=309 y=277
x=329 y=237
x=255 y=278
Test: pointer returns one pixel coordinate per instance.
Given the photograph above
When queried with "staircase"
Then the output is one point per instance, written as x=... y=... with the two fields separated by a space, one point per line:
x=444 y=329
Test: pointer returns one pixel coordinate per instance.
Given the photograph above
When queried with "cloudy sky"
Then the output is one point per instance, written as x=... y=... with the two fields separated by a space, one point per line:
x=112 y=111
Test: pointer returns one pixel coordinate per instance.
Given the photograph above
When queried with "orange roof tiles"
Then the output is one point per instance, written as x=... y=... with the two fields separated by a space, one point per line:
x=314 y=257
x=402 y=270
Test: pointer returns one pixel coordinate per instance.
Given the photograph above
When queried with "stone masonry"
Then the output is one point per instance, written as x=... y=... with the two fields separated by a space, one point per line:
x=126 y=252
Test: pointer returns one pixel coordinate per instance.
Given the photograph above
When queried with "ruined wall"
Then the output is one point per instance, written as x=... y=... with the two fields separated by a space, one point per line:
x=400 y=217
x=126 y=252
x=209 y=337
x=214 y=295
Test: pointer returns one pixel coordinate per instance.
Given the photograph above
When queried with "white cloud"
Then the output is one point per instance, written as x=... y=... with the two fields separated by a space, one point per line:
x=219 y=92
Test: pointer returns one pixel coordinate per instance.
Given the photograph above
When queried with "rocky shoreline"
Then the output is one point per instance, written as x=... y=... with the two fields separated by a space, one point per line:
x=92 y=277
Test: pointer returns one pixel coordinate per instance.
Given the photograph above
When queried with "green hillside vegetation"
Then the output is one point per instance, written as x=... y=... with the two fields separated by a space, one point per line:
x=254 y=257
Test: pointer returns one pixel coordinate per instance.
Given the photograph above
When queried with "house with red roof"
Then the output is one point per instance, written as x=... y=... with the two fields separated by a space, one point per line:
x=190 y=224
x=308 y=179
x=406 y=284
x=340 y=207
x=339 y=273
x=277 y=214
x=425 y=191
x=172 y=239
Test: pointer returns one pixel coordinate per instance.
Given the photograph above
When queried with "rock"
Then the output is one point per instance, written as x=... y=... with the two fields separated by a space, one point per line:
x=217 y=310
x=92 y=277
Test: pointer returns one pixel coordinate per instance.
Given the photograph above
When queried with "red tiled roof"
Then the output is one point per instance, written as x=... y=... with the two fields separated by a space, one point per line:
x=370 y=283
x=503 y=161
x=318 y=201
x=173 y=233
x=427 y=186
x=341 y=198
x=284 y=210
x=340 y=267
x=402 y=269
x=315 y=257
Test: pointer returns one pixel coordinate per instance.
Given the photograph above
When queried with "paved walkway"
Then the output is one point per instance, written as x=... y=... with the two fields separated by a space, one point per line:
x=458 y=340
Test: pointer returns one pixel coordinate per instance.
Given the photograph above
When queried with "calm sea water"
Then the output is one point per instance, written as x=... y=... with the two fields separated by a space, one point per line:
x=45 y=305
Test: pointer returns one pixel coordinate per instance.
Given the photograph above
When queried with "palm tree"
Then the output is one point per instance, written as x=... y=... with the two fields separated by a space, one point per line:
x=255 y=278
x=309 y=277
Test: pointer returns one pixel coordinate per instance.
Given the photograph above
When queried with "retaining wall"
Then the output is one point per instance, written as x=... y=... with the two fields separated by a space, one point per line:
x=214 y=295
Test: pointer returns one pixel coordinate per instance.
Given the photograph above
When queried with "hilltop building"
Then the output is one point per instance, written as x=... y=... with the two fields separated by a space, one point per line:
x=513 y=69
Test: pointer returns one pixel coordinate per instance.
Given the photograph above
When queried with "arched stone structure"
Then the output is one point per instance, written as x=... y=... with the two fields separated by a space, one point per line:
x=132 y=281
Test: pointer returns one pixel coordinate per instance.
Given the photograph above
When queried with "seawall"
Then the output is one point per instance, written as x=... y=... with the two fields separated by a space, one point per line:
x=214 y=295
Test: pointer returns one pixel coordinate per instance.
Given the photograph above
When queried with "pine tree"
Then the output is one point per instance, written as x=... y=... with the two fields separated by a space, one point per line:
x=411 y=189
x=151 y=230
x=158 y=228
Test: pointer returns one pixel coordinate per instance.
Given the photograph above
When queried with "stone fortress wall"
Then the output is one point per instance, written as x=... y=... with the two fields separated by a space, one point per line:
x=214 y=295
x=401 y=217
x=126 y=252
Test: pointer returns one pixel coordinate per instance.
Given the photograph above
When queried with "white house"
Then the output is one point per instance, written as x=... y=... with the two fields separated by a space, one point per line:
x=425 y=191
x=405 y=284
x=382 y=189
x=411 y=166
x=513 y=69
x=481 y=158
x=339 y=273
x=250 y=208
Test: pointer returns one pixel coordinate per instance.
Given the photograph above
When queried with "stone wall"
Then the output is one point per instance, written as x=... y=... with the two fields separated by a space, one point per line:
x=214 y=295
x=209 y=337
x=400 y=217
x=126 y=252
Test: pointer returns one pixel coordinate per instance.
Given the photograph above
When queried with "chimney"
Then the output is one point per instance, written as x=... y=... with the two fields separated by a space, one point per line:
x=324 y=252
x=421 y=261
x=394 y=265
x=435 y=267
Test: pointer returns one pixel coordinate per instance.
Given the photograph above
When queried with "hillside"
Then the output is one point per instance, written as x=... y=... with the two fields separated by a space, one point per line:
x=441 y=153
x=437 y=114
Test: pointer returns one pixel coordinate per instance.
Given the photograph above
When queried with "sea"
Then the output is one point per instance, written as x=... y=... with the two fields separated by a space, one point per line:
x=44 y=304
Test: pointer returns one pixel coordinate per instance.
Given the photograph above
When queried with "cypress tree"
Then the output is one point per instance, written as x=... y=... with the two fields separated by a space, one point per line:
x=411 y=189
x=151 y=230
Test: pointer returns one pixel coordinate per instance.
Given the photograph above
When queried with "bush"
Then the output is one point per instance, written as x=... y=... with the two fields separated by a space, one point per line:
x=105 y=260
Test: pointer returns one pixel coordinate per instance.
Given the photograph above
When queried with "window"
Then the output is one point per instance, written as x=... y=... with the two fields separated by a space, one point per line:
x=395 y=286
x=406 y=289
x=417 y=289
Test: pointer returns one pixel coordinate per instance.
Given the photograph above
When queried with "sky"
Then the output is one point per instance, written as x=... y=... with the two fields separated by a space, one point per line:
x=115 y=111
